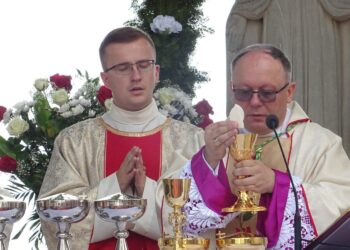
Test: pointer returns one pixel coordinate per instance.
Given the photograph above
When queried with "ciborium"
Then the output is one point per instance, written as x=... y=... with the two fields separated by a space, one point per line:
x=63 y=209
x=11 y=211
x=176 y=192
x=120 y=209
x=243 y=149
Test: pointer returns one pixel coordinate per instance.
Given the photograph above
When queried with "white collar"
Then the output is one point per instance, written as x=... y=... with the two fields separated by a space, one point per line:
x=134 y=121
x=122 y=116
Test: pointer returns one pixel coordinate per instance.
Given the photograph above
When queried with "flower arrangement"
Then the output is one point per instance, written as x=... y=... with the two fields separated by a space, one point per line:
x=33 y=125
x=172 y=102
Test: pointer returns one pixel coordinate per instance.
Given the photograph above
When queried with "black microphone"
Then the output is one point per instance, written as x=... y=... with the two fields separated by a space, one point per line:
x=272 y=123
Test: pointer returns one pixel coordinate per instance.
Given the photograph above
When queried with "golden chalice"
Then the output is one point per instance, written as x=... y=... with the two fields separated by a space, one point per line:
x=243 y=149
x=176 y=192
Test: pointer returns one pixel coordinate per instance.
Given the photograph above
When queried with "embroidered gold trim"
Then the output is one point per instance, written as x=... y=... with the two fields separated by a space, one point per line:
x=134 y=134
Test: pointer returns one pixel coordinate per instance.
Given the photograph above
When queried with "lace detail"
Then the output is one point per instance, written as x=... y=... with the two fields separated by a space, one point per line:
x=199 y=217
x=286 y=237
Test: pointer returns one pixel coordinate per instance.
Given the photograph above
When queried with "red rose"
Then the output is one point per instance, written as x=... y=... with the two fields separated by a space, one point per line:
x=203 y=108
x=61 y=81
x=103 y=94
x=205 y=122
x=7 y=164
x=2 y=112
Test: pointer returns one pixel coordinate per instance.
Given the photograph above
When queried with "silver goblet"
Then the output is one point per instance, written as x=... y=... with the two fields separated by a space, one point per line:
x=11 y=211
x=120 y=209
x=63 y=209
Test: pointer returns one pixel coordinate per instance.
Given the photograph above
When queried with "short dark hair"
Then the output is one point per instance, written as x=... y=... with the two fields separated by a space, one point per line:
x=123 y=35
x=269 y=49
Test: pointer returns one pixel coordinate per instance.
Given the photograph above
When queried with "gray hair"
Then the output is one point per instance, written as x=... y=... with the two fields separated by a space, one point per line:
x=269 y=49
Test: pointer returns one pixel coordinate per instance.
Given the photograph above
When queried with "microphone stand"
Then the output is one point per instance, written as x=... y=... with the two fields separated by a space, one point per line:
x=297 y=218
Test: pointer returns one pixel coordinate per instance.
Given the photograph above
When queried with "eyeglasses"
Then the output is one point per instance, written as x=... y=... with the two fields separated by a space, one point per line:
x=126 y=68
x=265 y=95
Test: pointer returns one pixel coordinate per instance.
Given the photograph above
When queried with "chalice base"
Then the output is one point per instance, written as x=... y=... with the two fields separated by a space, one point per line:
x=242 y=243
x=244 y=205
x=168 y=243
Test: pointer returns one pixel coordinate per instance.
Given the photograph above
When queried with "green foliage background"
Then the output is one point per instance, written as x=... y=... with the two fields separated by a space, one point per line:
x=174 y=51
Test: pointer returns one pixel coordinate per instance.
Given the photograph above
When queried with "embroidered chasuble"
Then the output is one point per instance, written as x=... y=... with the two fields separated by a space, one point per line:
x=86 y=156
x=319 y=167
x=118 y=144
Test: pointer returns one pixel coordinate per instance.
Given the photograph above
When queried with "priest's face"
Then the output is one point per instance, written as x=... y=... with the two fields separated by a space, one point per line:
x=131 y=73
x=258 y=71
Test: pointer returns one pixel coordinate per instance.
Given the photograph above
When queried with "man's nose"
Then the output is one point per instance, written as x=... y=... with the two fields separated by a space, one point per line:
x=135 y=72
x=255 y=100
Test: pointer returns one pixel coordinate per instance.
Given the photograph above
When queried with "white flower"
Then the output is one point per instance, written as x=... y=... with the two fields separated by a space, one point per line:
x=108 y=103
x=165 y=95
x=77 y=110
x=175 y=103
x=41 y=84
x=73 y=102
x=79 y=93
x=60 y=96
x=92 y=113
x=20 y=106
x=67 y=114
x=26 y=109
x=30 y=103
x=165 y=24
x=193 y=112
x=17 y=126
x=7 y=116
x=64 y=108
x=84 y=102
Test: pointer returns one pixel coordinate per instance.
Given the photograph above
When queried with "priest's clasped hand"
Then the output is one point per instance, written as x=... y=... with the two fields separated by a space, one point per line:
x=259 y=178
x=132 y=172
x=218 y=136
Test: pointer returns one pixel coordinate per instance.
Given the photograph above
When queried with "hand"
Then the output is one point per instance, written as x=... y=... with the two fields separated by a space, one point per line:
x=140 y=176
x=258 y=178
x=218 y=136
x=126 y=172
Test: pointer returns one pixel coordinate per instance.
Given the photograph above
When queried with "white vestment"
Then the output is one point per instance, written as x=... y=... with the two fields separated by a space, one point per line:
x=317 y=161
x=77 y=167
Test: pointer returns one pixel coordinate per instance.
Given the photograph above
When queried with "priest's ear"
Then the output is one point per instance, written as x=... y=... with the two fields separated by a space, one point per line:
x=291 y=91
x=156 y=73
x=105 y=78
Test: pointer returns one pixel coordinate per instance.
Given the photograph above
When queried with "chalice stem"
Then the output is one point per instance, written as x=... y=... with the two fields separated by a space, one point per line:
x=2 y=238
x=121 y=244
x=121 y=234
x=63 y=244
x=244 y=196
x=63 y=235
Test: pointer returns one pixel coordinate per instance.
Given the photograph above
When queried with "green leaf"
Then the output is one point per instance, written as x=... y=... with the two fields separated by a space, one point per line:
x=17 y=235
x=42 y=110
x=6 y=148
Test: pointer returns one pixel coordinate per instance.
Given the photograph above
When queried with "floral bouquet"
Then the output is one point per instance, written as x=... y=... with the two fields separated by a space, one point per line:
x=33 y=125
